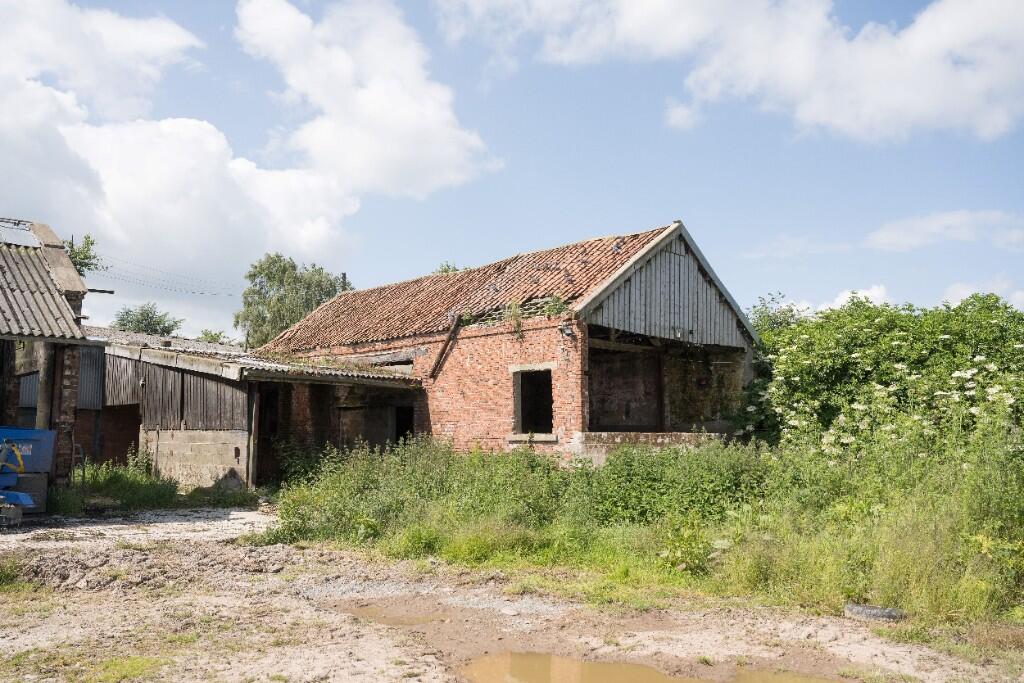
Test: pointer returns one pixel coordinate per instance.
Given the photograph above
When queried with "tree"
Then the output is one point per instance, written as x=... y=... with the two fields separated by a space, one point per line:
x=83 y=256
x=146 y=318
x=213 y=337
x=280 y=294
x=446 y=267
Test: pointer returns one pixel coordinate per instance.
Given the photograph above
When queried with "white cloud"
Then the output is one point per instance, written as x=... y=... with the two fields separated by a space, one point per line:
x=955 y=66
x=108 y=62
x=1004 y=230
x=76 y=85
x=1001 y=285
x=679 y=115
x=876 y=294
x=383 y=124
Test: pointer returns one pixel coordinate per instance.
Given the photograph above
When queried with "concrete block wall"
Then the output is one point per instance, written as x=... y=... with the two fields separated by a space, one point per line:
x=199 y=458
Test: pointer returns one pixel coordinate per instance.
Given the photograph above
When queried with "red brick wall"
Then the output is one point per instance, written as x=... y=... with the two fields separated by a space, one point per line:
x=66 y=398
x=471 y=401
x=118 y=432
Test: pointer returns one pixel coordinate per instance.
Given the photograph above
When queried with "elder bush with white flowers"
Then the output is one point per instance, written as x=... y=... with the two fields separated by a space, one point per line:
x=841 y=372
x=897 y=465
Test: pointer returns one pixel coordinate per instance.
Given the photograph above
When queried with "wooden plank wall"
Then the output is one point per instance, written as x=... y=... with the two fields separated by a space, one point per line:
x=121 y=383
x=174 y=397
x=212 y=403
x=671 y=296
x=161 y=401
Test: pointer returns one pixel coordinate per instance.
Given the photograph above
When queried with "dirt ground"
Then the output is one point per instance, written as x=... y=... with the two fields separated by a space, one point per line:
x=169 y=596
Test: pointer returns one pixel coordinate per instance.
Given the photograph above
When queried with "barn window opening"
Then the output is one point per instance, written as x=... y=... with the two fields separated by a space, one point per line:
x=534 y=402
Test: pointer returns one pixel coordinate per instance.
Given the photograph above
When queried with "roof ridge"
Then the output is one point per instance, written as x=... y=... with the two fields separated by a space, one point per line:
x=499 y=261
x=424 y=304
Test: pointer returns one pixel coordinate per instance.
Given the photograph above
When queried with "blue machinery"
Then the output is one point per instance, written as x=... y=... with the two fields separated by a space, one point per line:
x=22 y=451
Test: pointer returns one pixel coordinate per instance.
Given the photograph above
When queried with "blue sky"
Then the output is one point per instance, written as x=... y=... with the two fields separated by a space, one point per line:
x=878 y=149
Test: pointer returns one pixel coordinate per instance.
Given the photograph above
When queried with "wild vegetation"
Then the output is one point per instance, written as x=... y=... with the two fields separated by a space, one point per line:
x=134 y=486
x=885 y=466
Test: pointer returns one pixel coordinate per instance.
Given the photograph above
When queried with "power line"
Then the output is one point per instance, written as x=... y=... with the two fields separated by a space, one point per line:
x=178 y=276
x=154 y=279
x=152 y=285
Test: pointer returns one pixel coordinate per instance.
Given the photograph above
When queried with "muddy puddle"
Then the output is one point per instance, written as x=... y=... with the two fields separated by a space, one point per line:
x=382 y=616
x=531 y=667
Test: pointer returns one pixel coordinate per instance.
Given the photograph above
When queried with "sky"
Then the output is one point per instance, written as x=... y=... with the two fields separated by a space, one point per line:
x=812 y=148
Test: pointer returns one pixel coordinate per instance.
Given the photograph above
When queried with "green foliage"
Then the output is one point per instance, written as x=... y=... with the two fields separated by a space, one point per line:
x=928 y=523
x=213 y=337
x=894 y=476
x=639 y=485
x=513 y=314
x=840 y=373
x=83 y=256
x=446 y=267
x=134 y=486
x=686 y=547
x=146 y=318
x=555 y=305
x=280 y=293
x=9 y=573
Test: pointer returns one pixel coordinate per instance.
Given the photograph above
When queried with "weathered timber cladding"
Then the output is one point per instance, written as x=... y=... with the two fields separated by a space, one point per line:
x=212 y=403
x=671 y=296
x=122 y=382
x=202 y=402
x=161 y=400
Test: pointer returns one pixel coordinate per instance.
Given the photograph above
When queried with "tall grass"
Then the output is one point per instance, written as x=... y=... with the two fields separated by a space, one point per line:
x=134 y=486
x=938 y=532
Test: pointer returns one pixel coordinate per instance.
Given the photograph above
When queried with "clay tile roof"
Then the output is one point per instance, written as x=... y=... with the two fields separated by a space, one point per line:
x=426 y=305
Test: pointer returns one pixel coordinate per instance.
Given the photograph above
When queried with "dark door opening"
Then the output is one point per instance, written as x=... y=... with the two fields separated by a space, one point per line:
x=268 y=429
x=404 y=422
x=534 y=403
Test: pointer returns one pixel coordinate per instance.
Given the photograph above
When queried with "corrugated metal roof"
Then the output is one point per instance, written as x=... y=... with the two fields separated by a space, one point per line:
x=250 y=364
x=31 y=305
x=426 y=305
x=115 y=336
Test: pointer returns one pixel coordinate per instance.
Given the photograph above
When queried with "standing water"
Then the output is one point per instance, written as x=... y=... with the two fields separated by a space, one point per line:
x=532 y=667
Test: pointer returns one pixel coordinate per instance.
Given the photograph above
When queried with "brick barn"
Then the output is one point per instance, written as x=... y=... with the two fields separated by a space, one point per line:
x=629 y=338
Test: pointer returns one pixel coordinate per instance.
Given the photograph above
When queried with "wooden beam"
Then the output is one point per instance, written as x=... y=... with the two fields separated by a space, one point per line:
x=620 y=346
x=444 y=347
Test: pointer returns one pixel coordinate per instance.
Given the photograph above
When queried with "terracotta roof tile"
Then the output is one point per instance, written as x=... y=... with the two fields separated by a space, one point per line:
x=426 y=305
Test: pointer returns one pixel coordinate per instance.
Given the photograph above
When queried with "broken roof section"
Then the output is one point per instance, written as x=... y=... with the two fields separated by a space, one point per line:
x=578 y=274
x=235 y=363
x=427 y=304
x=36 y=280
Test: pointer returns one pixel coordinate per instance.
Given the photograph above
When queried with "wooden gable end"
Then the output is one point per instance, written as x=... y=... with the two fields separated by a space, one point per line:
x=671 y=293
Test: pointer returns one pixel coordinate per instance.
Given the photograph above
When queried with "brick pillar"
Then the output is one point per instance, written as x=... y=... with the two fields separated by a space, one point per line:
x=8 y=385
x=67 y=402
